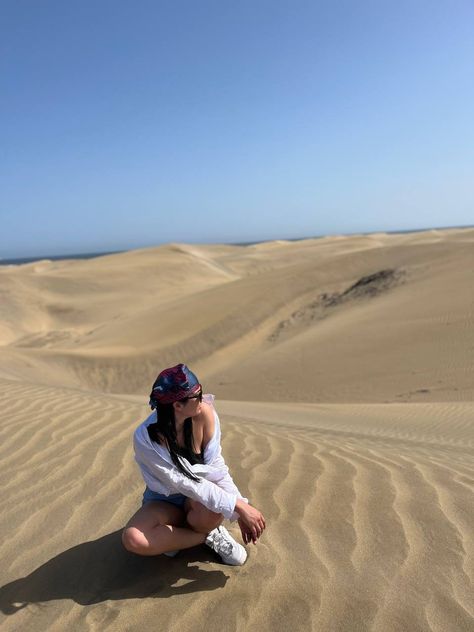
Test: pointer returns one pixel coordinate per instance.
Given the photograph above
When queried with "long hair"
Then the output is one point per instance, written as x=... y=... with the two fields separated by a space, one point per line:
x=165 y=428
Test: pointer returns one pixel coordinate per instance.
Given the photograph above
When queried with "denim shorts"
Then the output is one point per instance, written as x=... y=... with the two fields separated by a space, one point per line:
x=174 y=499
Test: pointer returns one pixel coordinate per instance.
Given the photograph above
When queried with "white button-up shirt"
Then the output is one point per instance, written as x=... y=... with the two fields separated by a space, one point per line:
x=216 y=490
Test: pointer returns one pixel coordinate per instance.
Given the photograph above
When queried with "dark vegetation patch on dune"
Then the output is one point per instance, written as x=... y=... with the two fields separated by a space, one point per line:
x=366 y=287
x=46 y=340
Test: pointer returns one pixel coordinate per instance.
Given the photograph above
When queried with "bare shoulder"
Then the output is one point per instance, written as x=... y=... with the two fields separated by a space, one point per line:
x=207 y=418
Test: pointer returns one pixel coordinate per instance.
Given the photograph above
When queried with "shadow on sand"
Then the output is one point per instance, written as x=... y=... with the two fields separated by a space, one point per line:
x=102 y=570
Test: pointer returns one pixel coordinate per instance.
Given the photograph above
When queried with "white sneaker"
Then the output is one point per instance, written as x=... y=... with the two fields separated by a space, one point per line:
x=223 y=544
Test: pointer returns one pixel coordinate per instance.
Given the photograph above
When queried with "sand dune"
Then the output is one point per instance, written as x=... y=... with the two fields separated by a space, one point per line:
x=343 y=371
x=107 y=323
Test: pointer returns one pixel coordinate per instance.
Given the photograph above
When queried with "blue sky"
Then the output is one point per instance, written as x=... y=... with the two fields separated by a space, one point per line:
x=128 y=124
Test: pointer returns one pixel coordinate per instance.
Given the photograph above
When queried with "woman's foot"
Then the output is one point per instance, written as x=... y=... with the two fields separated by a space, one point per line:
x=230 y=551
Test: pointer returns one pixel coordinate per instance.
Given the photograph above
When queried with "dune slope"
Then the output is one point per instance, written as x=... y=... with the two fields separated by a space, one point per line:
x=238 y=314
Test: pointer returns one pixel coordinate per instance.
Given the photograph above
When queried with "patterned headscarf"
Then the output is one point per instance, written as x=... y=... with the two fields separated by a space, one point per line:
x=173 y=384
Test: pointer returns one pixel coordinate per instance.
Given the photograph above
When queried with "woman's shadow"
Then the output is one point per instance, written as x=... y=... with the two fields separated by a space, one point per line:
x=102 y=569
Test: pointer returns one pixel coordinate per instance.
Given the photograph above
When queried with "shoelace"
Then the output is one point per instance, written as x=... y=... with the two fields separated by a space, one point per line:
x=221 y=544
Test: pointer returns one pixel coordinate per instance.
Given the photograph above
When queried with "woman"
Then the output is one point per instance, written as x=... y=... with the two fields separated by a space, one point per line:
x=189 y=490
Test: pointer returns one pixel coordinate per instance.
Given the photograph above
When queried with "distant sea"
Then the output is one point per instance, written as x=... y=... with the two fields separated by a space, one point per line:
x=91 y=255
x=82 y=255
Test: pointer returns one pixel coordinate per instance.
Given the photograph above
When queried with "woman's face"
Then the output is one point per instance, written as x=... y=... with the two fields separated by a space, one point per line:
x=195 y=405
x=191 y=407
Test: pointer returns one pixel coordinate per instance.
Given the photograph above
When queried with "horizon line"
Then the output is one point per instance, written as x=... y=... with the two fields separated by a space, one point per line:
x=102 y=253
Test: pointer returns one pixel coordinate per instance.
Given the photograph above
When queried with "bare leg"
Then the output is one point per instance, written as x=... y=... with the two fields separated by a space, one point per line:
x=200 y=518
x=158 y=527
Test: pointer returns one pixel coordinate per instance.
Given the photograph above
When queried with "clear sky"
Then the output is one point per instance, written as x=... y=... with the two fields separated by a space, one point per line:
x=128 y=124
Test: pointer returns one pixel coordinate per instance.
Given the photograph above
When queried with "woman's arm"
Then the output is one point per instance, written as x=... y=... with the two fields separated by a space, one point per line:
x=251 y=521
x=211 y=431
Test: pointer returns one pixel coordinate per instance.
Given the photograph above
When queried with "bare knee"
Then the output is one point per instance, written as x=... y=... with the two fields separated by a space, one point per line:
x=134 y=540
x=203 y=520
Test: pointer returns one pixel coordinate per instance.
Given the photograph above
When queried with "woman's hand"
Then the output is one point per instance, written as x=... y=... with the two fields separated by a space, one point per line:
x=251 y=522
x=247 y=535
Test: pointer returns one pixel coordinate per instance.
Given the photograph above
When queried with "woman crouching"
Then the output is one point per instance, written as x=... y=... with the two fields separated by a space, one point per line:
x=189 y=491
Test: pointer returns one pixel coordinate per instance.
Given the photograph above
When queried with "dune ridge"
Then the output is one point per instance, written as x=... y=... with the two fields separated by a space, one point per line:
x=352 y=430
x=103 y=323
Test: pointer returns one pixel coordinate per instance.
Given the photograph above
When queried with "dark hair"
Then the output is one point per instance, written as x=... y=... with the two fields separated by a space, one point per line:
x=165 y=428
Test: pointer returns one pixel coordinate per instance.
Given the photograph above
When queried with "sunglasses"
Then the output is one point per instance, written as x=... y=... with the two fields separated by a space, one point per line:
x=197 y=396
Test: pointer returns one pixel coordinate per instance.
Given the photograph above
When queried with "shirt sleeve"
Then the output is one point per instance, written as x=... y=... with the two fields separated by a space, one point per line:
x=213 y=496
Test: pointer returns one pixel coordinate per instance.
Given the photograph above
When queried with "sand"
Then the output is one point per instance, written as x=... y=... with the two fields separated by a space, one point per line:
x=343 y=374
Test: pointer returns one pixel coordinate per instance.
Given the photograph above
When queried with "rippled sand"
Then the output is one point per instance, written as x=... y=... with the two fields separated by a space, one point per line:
x=348 y=419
